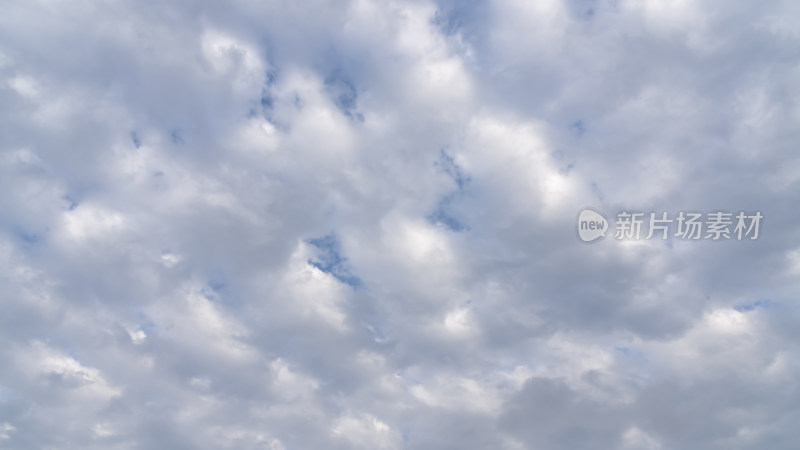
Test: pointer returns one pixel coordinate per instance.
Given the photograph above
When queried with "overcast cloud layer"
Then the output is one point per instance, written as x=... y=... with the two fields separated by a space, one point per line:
x=351 y=224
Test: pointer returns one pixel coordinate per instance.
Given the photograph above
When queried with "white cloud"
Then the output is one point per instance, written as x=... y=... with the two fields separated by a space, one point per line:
x=351 y=225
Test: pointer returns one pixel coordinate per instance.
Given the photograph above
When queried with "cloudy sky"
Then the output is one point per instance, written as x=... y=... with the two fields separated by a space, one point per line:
x=341 y=224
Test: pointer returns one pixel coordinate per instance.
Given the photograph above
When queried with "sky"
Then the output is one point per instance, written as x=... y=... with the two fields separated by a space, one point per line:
x=351 y=224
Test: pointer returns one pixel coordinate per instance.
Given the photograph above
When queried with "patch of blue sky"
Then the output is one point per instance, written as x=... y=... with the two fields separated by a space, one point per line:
x=377 y=332
x=344 y=95
x=460 y=16
x=447 y=164
x=5 y=393
x=266 y=101
x=630 y=353
x=27 y=237
x=752 y=306
x=221 y=290
x=71 y=203
x=564 y=169
x=442 y=215
x=135 y=139
x=146 y=324
x=578 y=127
x=331 y=261
x=597 y=192
x=177 y=137
x=585 y=9
x=62 y=343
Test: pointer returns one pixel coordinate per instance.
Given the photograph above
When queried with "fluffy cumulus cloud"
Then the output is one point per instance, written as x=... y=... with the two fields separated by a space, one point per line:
x=350 y=224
